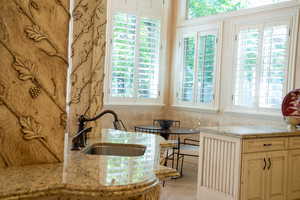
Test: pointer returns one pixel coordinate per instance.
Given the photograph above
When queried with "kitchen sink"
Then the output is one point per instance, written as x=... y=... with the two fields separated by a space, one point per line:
x=114 y=149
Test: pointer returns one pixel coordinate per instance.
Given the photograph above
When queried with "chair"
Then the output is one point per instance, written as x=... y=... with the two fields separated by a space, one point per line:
x=147 y=130
x=165 y=146
x=172 y=141
x=187 y=148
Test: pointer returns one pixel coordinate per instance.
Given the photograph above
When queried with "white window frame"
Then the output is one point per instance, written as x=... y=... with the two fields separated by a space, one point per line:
x=132 y=7
x=198 y=30
x=291 y=19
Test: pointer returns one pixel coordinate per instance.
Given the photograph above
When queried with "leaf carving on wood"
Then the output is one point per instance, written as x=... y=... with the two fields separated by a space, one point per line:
x=30 y=128
x=33 y=32
x=25 y=68
x=3 y=31
x=77 y=15
x=76 y=95
x=2 y=92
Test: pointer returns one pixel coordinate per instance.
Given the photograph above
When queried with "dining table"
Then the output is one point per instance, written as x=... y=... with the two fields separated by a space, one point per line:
x=166 y=133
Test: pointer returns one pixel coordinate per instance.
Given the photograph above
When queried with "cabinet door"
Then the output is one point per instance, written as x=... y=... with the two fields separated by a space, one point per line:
x=294 y=175
x=253 y=177
x=276 y=175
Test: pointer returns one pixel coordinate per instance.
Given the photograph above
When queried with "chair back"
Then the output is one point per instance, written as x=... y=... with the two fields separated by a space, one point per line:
x=176 y=123
x=147 y=130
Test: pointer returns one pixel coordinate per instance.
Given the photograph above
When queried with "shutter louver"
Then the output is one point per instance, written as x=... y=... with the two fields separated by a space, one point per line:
x=206 y=68
x=188 y=68
x=247 y=61
x=262 y=62
x=149 y=58
x=274 y=57
x=123 y=55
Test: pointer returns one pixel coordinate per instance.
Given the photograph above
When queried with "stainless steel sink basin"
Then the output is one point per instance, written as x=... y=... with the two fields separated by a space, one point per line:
x=113 y=149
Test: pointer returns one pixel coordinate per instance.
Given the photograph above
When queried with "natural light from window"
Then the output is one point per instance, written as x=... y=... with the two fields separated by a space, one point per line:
x=201 y=8
x=135 y=57
x=198 y=67
x=261 y=66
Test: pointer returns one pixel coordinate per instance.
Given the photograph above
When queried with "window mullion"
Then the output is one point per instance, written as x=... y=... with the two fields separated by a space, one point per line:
x=137 y=52
x=259 y=67
x=195 y=91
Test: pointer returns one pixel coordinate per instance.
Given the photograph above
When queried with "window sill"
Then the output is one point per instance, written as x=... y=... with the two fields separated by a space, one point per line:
x=195 y=108
x=257 y=115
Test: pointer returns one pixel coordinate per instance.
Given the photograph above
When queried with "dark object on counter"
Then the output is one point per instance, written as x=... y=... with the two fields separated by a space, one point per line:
x=79 y=140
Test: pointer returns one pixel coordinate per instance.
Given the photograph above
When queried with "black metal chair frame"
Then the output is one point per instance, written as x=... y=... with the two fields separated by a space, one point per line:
x=175 y=150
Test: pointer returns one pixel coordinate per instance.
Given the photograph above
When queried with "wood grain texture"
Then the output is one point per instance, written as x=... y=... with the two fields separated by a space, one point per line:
x=88 y=56
x=33 y=71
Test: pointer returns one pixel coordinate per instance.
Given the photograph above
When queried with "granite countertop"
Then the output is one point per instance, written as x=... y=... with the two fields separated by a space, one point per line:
x=247 y=132
x=95 y=175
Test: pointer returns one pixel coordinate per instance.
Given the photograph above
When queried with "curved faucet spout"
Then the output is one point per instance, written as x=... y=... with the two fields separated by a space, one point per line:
x=80 y=139
x=82 y=118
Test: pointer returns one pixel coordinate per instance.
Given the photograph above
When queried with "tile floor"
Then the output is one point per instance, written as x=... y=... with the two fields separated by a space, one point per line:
x=184 y=188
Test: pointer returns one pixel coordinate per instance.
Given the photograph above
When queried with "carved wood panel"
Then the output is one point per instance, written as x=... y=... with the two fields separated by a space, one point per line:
x=88 y=56
x=33 y=73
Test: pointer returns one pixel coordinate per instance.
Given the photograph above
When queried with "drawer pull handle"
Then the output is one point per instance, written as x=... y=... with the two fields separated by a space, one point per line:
x=267 y=145
x=270 y=164
x=265 y=164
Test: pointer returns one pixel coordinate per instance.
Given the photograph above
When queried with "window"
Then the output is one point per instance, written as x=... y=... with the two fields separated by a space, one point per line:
x=200 y=8
x=261 y=66
x=135 y=57
x=197 y=69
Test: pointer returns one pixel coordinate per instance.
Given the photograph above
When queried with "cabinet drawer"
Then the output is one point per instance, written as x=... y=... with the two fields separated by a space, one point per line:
x=267 y=144
x=294 y=143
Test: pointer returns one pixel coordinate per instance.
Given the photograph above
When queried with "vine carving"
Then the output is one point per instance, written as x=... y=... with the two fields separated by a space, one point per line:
x=34 y=32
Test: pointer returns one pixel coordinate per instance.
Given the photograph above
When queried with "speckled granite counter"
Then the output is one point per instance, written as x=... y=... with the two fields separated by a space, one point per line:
x=246 y=132
x=99 y=177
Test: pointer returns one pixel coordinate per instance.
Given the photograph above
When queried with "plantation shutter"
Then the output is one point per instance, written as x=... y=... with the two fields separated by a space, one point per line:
x=262 y=62
x=187 y=85
x=206 y=67
x=274 y=66
x=247 y=63
x=123 y=55
x=149 y=58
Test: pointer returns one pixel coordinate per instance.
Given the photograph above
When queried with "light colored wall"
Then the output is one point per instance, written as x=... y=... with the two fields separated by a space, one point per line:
x=33 y=56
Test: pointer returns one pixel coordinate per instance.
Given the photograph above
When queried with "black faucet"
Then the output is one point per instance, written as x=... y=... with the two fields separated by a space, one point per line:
x=79 y=140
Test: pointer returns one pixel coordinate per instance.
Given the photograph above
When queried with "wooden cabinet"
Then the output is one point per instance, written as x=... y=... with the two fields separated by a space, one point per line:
x=253 y=177
x=264 y=176
x=294 y=175
x=252 y=169
x=276 y=173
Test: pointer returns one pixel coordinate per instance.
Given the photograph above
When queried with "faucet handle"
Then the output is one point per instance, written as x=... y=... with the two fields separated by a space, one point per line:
x=79 y=139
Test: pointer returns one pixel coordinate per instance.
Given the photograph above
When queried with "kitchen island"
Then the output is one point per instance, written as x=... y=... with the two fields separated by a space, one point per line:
x=249 y=162
x=89 y=177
